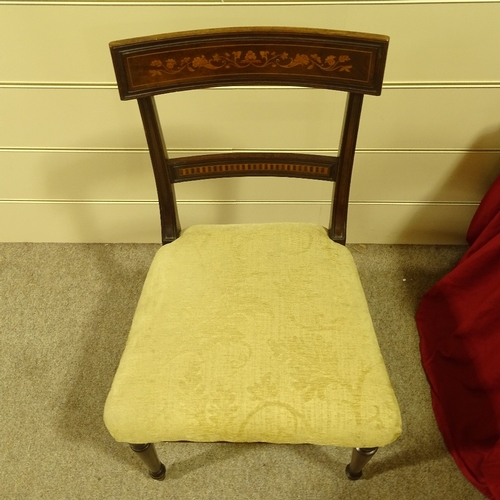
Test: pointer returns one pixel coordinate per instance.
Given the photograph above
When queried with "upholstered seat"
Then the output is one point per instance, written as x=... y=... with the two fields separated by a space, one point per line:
x=253 y=333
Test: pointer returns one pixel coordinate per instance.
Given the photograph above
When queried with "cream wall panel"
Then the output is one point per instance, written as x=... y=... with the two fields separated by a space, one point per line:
x=424 y=176
x=202 y=119
x=114 y=175
x=72 y=159
x=138 y=222
x=410 y=223
x=431 y=119
x=79 y=222
x=71 y=175
x=294 y=118
x=429 y=42
x=44 y=118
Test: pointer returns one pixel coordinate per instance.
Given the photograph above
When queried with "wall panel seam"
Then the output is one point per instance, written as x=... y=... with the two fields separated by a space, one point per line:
x=409 y=85
x=232 y=3
x=36 y=201
x=179 y=151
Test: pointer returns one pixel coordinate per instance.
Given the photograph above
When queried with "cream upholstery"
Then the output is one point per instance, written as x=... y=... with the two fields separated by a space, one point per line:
x=251 y=333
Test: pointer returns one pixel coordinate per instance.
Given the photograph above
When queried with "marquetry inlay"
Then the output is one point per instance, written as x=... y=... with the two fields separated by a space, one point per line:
x=251 y=58
x=251 y=167
x=173 y=66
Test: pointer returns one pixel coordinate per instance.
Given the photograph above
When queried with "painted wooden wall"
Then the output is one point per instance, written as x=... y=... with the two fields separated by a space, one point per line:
x=73 y=164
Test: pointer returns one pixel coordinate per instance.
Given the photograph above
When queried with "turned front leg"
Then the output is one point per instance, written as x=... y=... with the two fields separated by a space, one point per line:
x=360 y=457
x=147 y=453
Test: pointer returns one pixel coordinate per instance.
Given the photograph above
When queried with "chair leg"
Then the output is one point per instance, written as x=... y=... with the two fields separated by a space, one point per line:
x=147 y=453
x=360 y=457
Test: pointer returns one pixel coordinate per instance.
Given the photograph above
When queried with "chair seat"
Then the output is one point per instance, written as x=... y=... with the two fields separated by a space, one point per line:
x=249 y=333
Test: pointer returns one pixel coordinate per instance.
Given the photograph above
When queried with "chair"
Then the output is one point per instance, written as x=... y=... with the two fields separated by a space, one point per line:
x=252 y=332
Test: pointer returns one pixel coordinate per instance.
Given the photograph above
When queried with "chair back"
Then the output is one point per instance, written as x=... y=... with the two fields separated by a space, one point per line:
x=337 y=60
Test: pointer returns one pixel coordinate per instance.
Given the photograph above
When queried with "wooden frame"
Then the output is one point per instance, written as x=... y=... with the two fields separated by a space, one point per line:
x=336 y=60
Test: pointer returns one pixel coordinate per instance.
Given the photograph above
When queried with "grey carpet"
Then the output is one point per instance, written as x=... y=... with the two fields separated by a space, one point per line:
x=64 y=315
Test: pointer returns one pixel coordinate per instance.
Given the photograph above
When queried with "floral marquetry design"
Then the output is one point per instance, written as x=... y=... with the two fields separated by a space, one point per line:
x=172 y=62
x=238 y=60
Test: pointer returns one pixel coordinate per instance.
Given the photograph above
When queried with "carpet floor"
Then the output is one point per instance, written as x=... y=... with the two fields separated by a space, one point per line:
x=65 y=311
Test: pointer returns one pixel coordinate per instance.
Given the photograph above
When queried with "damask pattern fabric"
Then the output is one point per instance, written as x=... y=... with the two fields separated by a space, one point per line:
x=249 y=333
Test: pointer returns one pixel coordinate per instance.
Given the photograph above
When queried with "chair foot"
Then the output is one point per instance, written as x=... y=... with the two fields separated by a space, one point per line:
x=147 y=453
x=159 y=475
x=360 y=457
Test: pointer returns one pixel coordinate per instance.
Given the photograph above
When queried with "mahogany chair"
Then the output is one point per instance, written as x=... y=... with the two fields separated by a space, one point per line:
x=252 y=332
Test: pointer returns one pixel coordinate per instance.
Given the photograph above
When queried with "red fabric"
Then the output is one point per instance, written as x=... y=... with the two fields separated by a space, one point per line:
x=459 y=325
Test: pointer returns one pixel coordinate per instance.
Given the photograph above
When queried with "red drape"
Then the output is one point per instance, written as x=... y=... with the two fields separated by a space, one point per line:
x=459 y=325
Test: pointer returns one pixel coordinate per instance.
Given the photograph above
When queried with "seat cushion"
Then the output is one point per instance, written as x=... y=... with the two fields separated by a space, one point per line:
x=250 y=333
